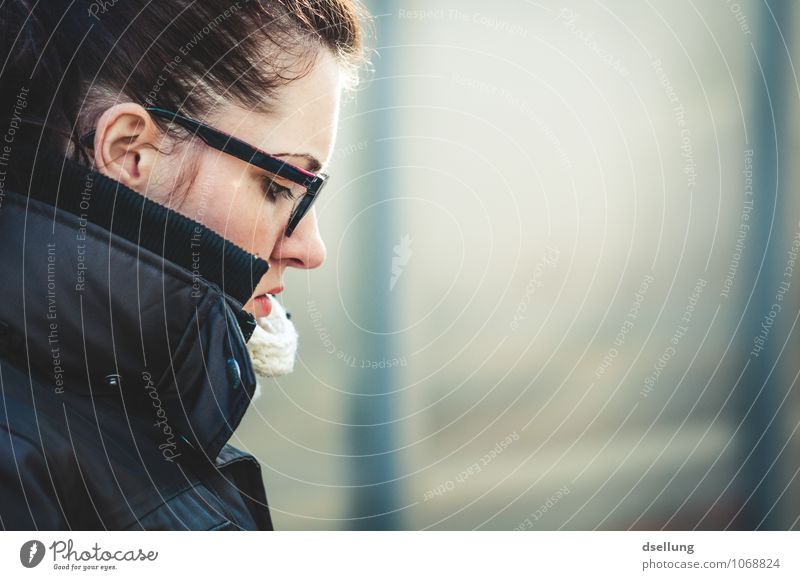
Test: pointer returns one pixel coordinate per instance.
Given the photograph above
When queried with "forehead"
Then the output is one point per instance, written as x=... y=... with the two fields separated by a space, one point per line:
x=305 y=117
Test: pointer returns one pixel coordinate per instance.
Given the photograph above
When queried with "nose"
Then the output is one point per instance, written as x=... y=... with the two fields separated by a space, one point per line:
x=304 y=248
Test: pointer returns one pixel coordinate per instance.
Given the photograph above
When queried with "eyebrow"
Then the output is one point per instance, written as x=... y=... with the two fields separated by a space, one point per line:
x=314 y=164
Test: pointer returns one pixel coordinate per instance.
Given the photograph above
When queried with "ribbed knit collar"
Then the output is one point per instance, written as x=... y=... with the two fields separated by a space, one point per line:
x=113 y=206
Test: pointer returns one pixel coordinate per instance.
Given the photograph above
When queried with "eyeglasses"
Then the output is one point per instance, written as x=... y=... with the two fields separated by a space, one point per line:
x=310 y=184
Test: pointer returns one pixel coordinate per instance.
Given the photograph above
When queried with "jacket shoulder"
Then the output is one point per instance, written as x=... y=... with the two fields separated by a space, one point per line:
x=70 y=463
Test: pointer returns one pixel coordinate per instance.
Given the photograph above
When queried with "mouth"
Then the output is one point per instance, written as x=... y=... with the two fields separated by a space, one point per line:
x=262 y=304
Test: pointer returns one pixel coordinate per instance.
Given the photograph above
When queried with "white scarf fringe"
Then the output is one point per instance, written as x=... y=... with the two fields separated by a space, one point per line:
x=273 y=346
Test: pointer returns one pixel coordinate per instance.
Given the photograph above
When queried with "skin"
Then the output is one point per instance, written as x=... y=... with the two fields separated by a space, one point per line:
x=227 y=194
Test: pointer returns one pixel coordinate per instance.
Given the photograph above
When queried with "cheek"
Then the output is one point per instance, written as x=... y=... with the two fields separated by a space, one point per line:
x=233 y=205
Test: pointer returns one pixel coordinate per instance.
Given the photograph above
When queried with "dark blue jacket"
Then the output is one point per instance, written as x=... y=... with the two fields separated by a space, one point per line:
x=123 y=361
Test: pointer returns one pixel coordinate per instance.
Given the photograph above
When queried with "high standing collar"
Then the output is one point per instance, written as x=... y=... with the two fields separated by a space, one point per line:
x=113 y=206
x=100 y=282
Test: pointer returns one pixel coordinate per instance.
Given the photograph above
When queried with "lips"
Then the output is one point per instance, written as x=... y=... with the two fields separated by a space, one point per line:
x=263 y=305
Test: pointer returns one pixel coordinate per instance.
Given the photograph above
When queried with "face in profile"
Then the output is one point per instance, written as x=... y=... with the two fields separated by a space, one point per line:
x=239 y=201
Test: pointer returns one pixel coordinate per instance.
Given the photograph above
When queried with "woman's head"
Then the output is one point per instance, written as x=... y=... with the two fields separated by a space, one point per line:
x=269 y=72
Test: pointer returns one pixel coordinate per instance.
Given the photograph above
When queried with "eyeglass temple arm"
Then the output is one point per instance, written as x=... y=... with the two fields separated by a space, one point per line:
x=236 y=147
x=226 y=143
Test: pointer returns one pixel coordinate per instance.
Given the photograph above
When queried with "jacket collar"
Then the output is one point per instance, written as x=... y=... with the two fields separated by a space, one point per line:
x=111 y=296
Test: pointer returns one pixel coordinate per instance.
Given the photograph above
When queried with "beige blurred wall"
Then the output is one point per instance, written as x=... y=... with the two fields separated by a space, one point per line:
x=548 y=161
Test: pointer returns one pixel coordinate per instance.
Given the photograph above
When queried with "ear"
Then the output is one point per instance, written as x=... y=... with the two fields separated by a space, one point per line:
x=125 y=136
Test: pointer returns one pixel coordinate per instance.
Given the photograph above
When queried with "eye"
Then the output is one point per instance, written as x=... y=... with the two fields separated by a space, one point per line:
x=273 y=189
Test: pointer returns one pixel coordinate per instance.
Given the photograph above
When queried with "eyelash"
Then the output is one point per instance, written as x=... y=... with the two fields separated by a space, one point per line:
x=268 y=183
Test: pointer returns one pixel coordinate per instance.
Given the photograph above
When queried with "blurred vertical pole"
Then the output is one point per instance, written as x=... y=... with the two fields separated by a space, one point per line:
x=762 y=478
x=372 y=441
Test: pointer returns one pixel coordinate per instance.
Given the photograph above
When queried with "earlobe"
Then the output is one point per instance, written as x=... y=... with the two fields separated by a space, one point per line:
x=123 y=144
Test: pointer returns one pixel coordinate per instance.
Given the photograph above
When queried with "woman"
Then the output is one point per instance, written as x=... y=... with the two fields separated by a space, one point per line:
x=158 y=166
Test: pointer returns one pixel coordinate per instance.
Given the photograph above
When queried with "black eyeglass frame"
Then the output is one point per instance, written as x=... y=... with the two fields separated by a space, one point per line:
x=229 y=144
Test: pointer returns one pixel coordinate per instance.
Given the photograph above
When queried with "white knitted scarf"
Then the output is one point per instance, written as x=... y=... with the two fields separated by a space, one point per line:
x=273 y=345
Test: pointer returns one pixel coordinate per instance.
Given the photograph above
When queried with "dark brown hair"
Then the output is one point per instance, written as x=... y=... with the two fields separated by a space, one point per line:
x=65 y=61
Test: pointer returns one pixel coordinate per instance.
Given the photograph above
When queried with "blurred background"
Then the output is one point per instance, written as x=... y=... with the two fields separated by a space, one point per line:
x=561 y=289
